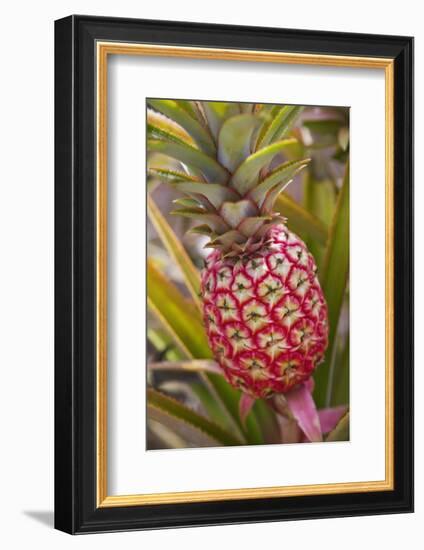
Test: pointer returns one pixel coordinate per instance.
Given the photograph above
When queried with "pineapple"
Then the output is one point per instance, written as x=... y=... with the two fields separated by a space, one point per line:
x=264 y=311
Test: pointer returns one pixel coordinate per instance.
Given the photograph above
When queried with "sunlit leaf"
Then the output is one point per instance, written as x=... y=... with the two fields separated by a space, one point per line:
x=174 y=111
x=161 y=127
x=164 y=344
x=176 y=250
x=179 y=315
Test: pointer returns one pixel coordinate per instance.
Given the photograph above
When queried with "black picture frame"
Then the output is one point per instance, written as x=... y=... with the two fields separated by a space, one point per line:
x=76 y=510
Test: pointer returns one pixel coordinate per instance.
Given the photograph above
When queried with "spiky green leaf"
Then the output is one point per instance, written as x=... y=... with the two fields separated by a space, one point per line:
x=283 y=174
x=279 y=125
x=235 y=140
x=171 y=176
x=175 y=112
x=250 y=226
x=246 y=175
x=161 y=127
x=214 y=192
x=211 y=169
x=217 y=112
x=213 y=220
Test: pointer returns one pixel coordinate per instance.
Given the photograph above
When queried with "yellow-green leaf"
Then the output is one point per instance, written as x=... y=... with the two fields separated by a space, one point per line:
x=186 y=154
x=179 y=114
x=176 y=250
x=179 y=315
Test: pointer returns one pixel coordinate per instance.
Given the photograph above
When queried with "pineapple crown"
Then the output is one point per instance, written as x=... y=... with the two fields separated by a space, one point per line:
x=227 y=170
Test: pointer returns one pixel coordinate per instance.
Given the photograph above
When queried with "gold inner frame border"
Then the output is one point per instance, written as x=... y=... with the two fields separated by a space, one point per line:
x=103 y=50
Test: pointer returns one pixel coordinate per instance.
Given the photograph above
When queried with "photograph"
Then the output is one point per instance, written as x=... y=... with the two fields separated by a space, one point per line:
x=247 y=273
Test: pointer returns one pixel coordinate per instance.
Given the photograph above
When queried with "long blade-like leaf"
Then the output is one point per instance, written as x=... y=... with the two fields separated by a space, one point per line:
x=164 y=409
x=300 y=220
x=194 y=365
x=176 y=249
x=171 y=176
x=211 y=169
x=283 y=174
x=279 y=126
x=215 y=193
x=177 y=113
x=333 y=280
x=161 y=127
x=319 y=198
x=179 y=315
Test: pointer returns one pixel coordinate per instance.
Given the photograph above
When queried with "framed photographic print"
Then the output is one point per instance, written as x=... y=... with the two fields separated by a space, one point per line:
x=234 y=274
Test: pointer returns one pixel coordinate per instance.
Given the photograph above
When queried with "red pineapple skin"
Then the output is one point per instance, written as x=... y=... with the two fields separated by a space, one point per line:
x=265 y=315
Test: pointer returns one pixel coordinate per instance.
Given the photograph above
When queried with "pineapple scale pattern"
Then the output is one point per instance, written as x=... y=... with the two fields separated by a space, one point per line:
x=265 y=315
